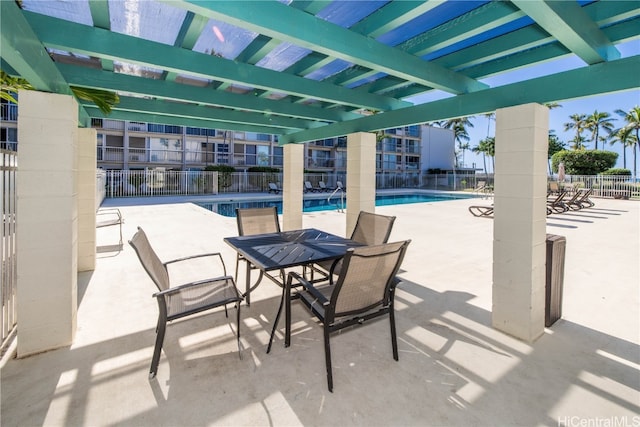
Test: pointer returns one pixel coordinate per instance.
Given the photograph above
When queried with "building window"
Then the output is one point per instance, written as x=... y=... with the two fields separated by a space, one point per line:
x=262 y=155
x=278 y=156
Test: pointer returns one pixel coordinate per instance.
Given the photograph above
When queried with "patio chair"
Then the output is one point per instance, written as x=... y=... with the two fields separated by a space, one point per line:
x=310 y=188
x=255 y=221
x=107 y=217
x=580 y=200
x=481 y=211
x=185 y=299
x=274 y=188
x=341 y=186
x=371 y=229
x=554 y=187
x=365 y=290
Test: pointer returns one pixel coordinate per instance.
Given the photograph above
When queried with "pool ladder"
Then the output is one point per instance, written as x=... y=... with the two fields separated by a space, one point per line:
x=341 y=206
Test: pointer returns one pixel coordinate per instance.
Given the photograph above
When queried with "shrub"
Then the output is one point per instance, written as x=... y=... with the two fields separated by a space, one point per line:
x=224 y=177
x=584 y=162
x=263 y=169
x=220 y=168
x=617 y=171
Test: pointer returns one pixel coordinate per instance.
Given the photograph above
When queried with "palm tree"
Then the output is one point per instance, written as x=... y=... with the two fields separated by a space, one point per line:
x=478 y=149
x=552 y=105
x=487 y=147
x=464 y=147
x=626 y=138
x=460 y=134
x=578 y=122
x=632 y=119
x=597 y=121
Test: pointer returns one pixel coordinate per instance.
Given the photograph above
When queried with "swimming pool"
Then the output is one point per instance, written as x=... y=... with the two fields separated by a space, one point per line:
x=228 y=208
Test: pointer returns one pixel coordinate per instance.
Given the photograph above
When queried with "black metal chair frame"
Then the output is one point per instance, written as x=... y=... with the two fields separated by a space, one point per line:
x=324 y=305
x=158 y=272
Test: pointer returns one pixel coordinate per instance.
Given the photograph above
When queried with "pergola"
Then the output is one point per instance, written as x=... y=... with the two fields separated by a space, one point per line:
x=302 y=70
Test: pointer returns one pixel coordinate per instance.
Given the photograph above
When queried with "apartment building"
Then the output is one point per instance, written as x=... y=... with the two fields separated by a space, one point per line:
x=128 y=145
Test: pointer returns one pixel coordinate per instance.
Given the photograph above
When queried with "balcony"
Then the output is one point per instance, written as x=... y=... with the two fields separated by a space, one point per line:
x=454 y=368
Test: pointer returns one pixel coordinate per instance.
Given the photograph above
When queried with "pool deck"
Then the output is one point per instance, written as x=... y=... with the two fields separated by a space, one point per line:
x=454 y=368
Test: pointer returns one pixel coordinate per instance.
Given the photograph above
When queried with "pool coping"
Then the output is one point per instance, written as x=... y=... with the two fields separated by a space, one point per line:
x=262 y=196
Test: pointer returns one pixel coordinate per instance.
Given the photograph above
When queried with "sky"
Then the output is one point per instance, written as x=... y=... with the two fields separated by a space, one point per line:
x=559 y=116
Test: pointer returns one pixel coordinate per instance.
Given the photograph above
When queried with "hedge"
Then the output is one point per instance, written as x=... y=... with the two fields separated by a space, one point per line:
x=584 y=162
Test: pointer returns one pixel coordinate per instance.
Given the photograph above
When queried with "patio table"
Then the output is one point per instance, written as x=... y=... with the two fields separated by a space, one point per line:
x=271 y=252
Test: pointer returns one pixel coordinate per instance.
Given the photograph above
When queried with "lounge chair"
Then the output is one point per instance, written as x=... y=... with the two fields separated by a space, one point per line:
x=274 y=188
x=340 y=186
x=310 y=188
x=580 y=200
x=185 y=299
x=482 y=188
x=364 y=290
x=557 y=205
x=323 y=186
x=481 y=211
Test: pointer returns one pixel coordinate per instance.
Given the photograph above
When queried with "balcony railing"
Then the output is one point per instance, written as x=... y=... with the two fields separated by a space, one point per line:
x=9 y=112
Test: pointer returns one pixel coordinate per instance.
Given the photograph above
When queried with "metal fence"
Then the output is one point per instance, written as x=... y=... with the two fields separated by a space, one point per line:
x=611 y=186
x=8 y=273
x=158 y=182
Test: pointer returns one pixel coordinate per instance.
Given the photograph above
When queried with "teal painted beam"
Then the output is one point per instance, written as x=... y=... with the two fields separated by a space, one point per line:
x=606 y=14
x=393 y=15
x=187 y=37
x=22 y=50
x=95 y=112
x=279 y=124
x=78 y=38
x=257 y=49
x=101 y=19
x=332 y=40
x=624 y=31
x=592 y=80
x=97 y=79
x=312 y=7
x=571 y=26
x=100 y=13
x=482 y=19
x=26 y=56
x=190 y=31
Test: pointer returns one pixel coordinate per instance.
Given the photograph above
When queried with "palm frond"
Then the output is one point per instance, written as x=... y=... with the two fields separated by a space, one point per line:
x=103 y=99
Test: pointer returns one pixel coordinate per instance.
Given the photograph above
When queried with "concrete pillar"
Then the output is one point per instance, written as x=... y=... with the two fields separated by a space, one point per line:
x=48 y=221
x=293 y=177
x=86 y=199
x=519 y=227
x=361 y=176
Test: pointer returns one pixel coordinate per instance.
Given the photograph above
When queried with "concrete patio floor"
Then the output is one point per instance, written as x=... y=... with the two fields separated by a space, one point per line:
x=454 y=368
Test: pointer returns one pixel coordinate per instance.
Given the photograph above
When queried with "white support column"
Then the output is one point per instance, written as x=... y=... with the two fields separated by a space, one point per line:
x=48 y=221
x=519 y=227
x=293 y=177
x=86 y=199
x=361 y=176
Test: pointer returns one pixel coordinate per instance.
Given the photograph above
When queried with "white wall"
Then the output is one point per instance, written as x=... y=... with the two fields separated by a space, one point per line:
x=438 y=148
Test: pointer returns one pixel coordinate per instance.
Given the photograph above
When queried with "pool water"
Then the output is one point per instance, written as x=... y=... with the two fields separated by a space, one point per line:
x=314 y=205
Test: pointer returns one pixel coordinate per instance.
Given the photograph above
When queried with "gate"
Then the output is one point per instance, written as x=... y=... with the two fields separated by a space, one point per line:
x=8 y=266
